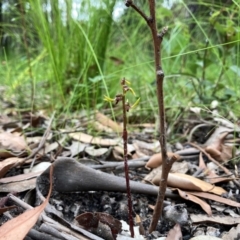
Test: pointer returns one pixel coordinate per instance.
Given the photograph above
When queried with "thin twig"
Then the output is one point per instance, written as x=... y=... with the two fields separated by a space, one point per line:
x=167 y=163
x=129 y=3
x=41 y=144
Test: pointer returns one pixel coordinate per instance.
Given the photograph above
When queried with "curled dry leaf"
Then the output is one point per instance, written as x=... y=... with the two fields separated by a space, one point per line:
x=7 y=164
x=206 y=207
x=212 y=177
x=18 y=227
x=218 y=150
x=184 y=181
x=11 y=143
x=216 y=198
x=156 y=159
x=180 y=167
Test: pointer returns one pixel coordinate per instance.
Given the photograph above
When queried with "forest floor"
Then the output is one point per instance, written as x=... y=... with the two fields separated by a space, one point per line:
x=88 y=199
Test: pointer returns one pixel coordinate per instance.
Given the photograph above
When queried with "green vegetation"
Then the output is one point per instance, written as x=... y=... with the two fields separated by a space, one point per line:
x=78 y=54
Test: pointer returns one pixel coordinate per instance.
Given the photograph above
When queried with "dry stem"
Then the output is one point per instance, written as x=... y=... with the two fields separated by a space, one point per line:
x=167 y=163
x=126 y=168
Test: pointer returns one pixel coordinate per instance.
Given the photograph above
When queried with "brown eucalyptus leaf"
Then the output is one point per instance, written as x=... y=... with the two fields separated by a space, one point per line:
x=212 y=177
x=117 y=154
x=22 y=186
x=156 y=159
x=179 y=167
x=226 y=220
x=20 y=177
x=216 y=198
x=218 y=150
x=139 y=223
x=7 y=164
x=175 y=233
x=18 y=227
x=201 y=163
x=217 y=136
x=186 y=195
x=11 y=143
x=103 y=119
x=186 y=182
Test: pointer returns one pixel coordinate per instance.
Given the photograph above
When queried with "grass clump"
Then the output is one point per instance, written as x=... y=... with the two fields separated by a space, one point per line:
x=78 y=51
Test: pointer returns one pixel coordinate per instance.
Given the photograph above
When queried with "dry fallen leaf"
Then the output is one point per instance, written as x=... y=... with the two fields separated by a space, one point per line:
x=217 y=149
x=92 y=151
x=100 y=127
x=49 y=148
x=85 y=138
x=7 y=164
x=18 y=227
x=175 y=233
x=156 y=159
x=108 y=122
x=186 y=195
x=22 y=186
x=216 y=198
x=233 y=233
x=186 y=182
x=11 y=143
x=138 y=222
x=76 y=148
x=20 y=177
x=212 y=177
x=227 y=220
x=180 y=167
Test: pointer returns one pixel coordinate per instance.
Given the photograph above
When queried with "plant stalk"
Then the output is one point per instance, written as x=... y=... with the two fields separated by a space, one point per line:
x=167 y=163
x=126 y=168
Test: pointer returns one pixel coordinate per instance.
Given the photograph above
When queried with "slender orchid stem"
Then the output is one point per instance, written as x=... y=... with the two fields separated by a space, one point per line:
x=126 y=168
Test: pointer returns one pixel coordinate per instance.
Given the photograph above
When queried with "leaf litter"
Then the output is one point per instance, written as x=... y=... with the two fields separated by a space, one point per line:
x=194 y=184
